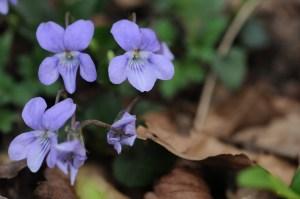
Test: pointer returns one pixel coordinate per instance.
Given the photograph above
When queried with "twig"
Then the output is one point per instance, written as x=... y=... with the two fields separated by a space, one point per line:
x=236 y=25
x=96 y=123
x=134 y=17
x=67 y=19
x=205 y=100
x=204 y=104
x=132 y=104
x=58 y=95
x=101 y=124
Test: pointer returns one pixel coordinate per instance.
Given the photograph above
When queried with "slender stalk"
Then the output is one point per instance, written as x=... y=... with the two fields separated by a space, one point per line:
x=209 y=86
x=106 y=125
x=73 y=121
x=132 y=104
x=100 y=124
x=134 y=17
x=67 y=19
x=96 y=123
x=58 y=95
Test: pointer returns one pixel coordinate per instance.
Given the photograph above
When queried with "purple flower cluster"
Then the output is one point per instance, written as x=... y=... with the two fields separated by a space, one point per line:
x=40 y=143
x=146 y=60
x=4 y=5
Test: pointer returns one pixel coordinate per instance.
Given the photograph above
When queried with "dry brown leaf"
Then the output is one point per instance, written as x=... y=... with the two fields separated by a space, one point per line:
x=249 y=107
x=283 y=132
x=211 y=172
x=56 y=186
x=91 y=179
x=191 y=146
x=198 y=146
x=11 y=169
x=253 y=106
x=129 y=3
x=245 y=193
x=180 y=183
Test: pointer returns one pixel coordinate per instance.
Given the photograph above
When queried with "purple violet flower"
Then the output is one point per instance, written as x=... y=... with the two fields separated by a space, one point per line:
x=67 y=45
x=35 y=145
x=123 y=132
x=71 y=156
x=4 y=7
x=141 y=64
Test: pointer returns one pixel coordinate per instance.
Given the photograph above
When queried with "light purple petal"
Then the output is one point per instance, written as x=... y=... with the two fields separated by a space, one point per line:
x=63 y=166
x=14 y=2
x=48 y=72
x=51 y=37
x=117 y=69
x=73 y=174
x=37 y=153
x=69 y=73
x=142 y=78
x=125 y=119
x=52 y=156
x=67 y=147
x=128 y=141
x=163 y=67
x=71 y=153
x=79 y=160
x=118 y=147
x=165 y=51
x=127 y=34
x=149 y=40
x=4 y=7
x=18 y=148
x=78 y=35
x=56 y=116
x=33 y=111
x=112 y=138
x=87 y=68
x=130 y=129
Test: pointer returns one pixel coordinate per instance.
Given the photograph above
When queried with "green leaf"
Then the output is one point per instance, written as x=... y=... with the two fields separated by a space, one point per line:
x=7 y=118
x=259 y=178
x=5 y=46
x=254 y=34
x=88 y=188
x=185 y=74
x=6 y=86
x=232 y=68
x=103 y=106
x=81 y=8
x=212 y=32
x=165 y=30
x=35 y=11
x=295 y=185
x=143 y=164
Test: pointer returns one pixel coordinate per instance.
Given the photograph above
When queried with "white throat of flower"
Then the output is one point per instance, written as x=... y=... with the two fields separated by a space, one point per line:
x=68 y=59
x=137 y=60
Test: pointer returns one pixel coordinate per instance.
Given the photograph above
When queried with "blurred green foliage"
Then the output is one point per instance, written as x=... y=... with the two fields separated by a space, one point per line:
x=295 y=185
x=192 y=29
x=197 y=27
x=142 y=165
x=258 y=178
x=232 y=68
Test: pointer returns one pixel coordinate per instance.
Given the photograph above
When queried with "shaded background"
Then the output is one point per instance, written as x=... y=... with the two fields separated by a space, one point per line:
x=264 y=60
